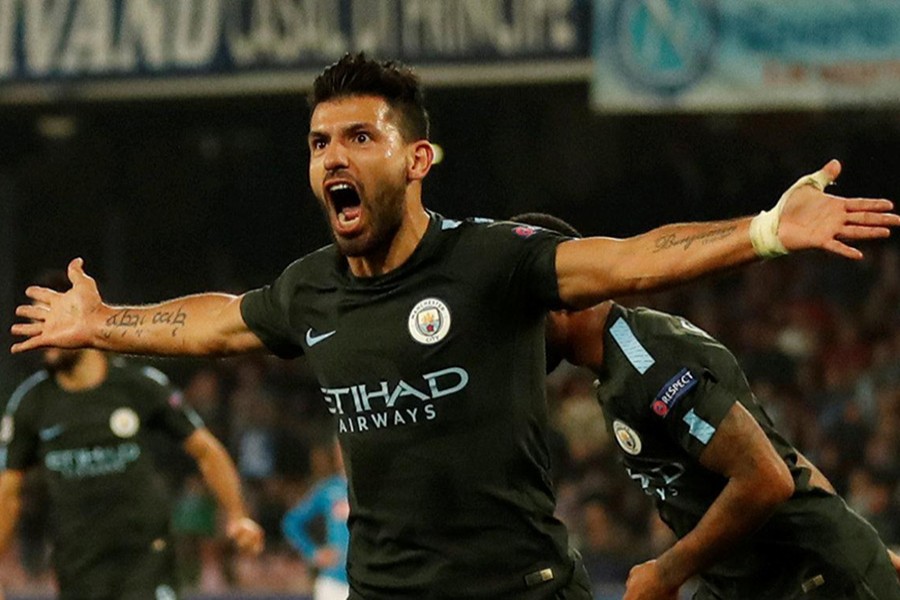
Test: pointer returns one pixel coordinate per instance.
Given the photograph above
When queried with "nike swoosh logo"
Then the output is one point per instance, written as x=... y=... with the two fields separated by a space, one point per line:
x=312 y=340
x=49 y=433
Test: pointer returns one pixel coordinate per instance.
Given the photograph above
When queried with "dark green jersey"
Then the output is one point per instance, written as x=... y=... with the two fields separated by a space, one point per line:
x=434 y=373
x=665 y=387
x=106 y=497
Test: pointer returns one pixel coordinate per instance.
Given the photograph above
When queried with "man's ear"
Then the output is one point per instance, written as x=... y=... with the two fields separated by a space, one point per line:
x=420 y=159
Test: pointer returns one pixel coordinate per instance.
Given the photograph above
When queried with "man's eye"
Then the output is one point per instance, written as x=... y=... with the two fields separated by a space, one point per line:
x=318 y=144
x=362 y=138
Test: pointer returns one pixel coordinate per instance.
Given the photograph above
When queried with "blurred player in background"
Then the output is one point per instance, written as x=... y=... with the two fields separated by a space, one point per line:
x=88 y=421
x=754 y=518
x=426 y=336
x=326 y=501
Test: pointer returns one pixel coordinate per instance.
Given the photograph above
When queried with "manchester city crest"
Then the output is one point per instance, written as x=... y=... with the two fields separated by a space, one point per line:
x=429 y=321
x=627 y=437
x=124 y=422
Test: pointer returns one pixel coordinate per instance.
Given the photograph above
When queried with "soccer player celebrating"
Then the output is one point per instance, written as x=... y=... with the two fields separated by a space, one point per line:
x=426 y=335
x=754 y=518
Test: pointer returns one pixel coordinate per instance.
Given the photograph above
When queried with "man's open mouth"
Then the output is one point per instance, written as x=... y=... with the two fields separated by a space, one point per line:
x=346 y=202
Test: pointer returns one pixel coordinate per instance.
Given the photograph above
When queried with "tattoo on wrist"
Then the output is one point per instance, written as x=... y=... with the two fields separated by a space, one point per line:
x=673 y=241
x=124 y=321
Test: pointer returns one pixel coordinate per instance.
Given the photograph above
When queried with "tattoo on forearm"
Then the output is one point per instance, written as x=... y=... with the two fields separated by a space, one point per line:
x=125 y=321
x=673 y=241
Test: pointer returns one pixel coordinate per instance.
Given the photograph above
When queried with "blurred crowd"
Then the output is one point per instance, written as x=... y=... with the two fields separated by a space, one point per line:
x=818 y=337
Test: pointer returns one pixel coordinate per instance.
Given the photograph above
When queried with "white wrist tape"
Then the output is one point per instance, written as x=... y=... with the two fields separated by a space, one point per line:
x=764 y=226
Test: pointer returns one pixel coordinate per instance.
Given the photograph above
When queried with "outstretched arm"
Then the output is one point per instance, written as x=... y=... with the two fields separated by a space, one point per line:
x=594 y=269
x=202 y=324
x=758 y=481
x=220 y=475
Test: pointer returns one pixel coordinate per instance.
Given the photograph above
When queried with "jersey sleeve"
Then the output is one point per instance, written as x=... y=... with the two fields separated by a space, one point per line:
x=18 y=430
x=691 y=385
x=168 y=410
x=528 y=254
x=266 y=311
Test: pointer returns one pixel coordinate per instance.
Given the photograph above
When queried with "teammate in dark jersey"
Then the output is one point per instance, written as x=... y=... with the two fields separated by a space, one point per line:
x=87 y=421
x=426 y=335
x=754 y=518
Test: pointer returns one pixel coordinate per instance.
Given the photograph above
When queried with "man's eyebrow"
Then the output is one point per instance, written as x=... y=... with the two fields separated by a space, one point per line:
x=356 y=127
x=350 y=128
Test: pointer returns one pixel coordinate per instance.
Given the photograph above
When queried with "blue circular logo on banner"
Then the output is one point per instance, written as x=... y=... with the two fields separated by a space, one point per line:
x=664 y=45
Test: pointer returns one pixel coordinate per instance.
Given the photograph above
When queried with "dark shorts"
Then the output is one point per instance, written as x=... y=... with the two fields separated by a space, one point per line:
x=879 y=582
x=578 y=586
x=147 y=574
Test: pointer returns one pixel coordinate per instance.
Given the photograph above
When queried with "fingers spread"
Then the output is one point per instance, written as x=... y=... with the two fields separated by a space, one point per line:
x=26 y=329
x=41 y=294
x=841 y=249
x=26 y=345
x=877 y=205
x=76 y=270
x=873 y=219
x=859 y=232
x=832 y=169
x=34 y=312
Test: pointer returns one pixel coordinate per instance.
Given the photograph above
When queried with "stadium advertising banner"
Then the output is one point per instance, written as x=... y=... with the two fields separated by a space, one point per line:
x=702 y=55
x=71 y=44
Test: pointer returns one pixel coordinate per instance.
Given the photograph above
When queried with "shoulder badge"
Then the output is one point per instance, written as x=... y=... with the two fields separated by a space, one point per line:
x=672 y=391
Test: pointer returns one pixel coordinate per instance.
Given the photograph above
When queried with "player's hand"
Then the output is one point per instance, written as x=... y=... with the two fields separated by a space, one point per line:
x=813 y=219
x=645 y=582
x=58 y=319
x=326 y=557
x=895 y=560
x=246 y=534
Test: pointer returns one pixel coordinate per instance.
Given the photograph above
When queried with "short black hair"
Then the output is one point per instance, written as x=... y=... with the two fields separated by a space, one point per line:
x=357 y=75
x=547 y=221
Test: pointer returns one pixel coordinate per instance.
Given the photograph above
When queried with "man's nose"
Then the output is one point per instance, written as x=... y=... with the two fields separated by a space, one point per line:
x=335 y=157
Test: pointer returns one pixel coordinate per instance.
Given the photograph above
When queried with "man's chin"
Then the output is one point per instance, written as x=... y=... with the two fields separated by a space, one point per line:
x=353 y=247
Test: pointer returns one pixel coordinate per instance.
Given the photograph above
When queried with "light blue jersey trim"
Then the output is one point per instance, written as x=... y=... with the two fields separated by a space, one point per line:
x=156 y=375
x=699 y=428
x=23 y=389
x=450 y=224
x=636 y=354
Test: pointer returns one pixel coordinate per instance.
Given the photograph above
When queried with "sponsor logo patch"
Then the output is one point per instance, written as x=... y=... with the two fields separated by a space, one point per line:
x=312 y=339
x=672 y=391
x=429 y=321
x=627 y=437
